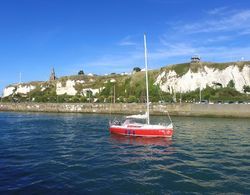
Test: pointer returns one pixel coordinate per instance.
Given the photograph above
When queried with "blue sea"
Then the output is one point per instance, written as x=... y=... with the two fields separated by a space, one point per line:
x=43 y=153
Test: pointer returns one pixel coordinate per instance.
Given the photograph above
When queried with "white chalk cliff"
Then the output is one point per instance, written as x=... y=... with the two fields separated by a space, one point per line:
x=68 y=89
x=62 y=88
x=170 y=81
x=8 y=91
x=18 y=89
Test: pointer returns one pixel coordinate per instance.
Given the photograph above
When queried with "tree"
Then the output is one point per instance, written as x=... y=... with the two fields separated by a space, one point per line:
x=120 y=99
x=101 y=99
x=246 y=88
x=61 y=98
x=83 y=99
x=136 y=69
x=231 y=84
x=81 y=72
x=75 y=99
x=131 y=99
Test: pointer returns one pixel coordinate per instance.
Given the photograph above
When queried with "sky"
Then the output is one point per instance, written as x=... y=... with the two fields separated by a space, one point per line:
x=106 y=36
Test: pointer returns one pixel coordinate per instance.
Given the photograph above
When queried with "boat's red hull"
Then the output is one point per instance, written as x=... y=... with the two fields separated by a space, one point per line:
x=141 y=132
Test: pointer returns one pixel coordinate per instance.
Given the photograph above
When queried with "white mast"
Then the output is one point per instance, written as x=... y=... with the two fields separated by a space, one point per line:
x=114 y=93
x=146 y=70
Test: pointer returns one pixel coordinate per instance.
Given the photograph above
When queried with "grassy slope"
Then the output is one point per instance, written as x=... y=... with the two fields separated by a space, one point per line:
x=181 y=69
x=130 y=84
x=131 y=87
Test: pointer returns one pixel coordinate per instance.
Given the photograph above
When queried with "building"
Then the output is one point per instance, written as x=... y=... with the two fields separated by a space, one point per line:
x=195 y=59
x=52 y=75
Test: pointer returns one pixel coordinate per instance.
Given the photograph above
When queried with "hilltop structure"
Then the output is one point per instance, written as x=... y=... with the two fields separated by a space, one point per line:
x=52 y=75
x=195 y=59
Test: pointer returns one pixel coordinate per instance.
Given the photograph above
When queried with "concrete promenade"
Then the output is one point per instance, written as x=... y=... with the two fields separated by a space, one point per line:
x=221 y=110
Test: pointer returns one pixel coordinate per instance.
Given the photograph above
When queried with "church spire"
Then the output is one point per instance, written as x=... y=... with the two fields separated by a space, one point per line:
x=52 y=75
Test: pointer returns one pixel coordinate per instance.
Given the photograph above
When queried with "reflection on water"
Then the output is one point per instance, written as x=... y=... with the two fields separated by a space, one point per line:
x=135 y=140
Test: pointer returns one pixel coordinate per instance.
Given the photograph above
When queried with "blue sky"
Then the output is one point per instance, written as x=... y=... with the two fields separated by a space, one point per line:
x=104 y=36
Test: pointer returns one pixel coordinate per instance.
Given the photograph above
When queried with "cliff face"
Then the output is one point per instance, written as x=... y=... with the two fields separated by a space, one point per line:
x=68 y=89
x=170 y=81
x=72 y=85
x=177 y=78
x=18 y=89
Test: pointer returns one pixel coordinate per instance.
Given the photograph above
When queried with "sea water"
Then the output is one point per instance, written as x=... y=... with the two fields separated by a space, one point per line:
x=75 y=153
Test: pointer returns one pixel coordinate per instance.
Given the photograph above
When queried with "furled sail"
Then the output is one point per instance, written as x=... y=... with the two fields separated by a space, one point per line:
x=137 y=116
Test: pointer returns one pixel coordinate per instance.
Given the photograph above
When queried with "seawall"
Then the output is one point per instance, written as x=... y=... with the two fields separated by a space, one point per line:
x=221 y=110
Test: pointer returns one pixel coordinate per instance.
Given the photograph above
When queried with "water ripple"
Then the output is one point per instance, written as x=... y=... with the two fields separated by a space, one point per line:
x=74 y=153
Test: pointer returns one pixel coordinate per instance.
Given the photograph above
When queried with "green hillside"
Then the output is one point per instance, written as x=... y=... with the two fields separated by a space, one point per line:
x=129 y=88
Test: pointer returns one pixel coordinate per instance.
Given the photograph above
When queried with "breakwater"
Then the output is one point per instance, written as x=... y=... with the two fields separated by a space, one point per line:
x=222 y=110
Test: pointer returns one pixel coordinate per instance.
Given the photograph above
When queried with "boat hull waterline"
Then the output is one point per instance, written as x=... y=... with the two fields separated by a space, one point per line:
x=144 y=132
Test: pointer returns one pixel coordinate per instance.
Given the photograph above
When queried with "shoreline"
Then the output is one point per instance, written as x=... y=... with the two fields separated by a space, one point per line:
x=184 y=109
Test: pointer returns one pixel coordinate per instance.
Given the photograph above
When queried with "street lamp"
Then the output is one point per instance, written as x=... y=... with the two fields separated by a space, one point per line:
x=88 y=92
x=180 y=96
x=113 y=81
x=200 y=94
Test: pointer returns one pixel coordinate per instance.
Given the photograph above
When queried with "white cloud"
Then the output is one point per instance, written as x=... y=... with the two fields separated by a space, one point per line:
x=217 y=10
x=239 y=20
x=245 y=32
x=173 y=50
x=116 y=63
x=208 y=53
x=219 y=38
x=127 y=42
x=165 y=54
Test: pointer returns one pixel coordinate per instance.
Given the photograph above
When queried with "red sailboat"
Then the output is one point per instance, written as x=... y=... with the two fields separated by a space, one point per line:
x=132 y=127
